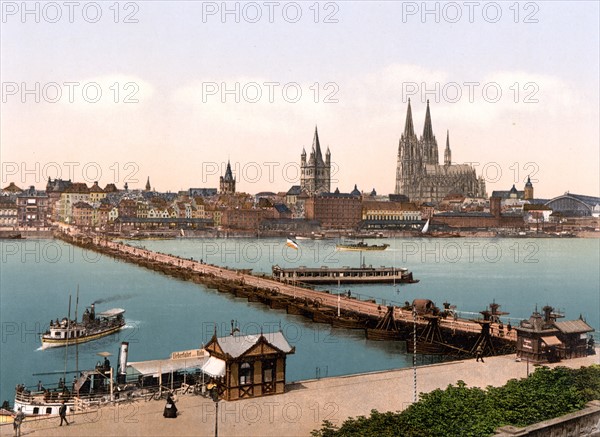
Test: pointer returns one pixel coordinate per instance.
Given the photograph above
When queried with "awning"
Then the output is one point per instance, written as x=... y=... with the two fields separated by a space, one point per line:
x=155 y=367
x=551 y=340
x=214 y=367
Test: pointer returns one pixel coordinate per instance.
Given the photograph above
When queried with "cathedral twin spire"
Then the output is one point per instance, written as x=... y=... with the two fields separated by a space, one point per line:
x=409 y=130
x=427 y=129
x=427 y=143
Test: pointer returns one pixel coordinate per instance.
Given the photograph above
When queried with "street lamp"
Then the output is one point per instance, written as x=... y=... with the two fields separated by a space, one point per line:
x=414 y=314
x=214 y=394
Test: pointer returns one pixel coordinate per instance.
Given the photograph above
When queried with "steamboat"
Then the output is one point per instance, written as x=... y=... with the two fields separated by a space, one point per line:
x=92 y=326
x=344 y=275
x=361 y=246
x=89 y=387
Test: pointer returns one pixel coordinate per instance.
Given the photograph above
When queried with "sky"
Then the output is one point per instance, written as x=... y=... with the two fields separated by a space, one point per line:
x=119 y=92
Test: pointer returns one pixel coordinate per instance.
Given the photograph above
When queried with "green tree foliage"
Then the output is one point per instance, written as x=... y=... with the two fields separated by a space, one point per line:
x=462 y=411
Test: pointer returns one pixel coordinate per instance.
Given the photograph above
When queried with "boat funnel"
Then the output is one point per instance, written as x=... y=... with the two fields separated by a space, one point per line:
x=93 y=312
x=123 y=352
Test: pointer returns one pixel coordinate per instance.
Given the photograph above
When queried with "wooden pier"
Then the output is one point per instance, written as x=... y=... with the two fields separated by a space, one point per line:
x=436 y=332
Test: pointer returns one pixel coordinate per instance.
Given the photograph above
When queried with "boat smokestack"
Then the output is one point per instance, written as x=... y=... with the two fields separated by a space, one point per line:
x=93 y=312
x=548 y=314
x=122 y=371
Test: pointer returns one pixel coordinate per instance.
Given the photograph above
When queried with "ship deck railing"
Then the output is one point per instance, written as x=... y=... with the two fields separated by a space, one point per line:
x=43 y=397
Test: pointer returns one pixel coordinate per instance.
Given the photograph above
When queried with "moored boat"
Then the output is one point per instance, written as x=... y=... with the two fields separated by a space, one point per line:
x=383 y=334
x=344 y=275
x=91 y=386
x=386 y=329
x=349 y=322
x=361 y=246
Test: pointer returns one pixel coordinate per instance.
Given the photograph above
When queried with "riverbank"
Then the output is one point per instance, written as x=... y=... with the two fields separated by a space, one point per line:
x=297 y=412
x=172 y=234
x=25 y=233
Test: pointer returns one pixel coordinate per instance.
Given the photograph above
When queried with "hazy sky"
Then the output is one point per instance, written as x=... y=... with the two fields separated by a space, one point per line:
x=170 y=73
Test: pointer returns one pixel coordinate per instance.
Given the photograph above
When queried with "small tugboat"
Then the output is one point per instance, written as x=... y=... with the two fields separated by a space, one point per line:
x=361 y=246
x=91 y=327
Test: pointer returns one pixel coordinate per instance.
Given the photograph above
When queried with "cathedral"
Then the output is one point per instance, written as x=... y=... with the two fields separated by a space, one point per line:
x=419 y=174
x=315 y=173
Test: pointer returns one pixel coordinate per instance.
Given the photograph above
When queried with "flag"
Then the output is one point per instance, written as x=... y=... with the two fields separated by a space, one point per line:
x=291 y=243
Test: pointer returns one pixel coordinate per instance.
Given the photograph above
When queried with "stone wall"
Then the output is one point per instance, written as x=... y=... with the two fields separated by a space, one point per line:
x=580 y=423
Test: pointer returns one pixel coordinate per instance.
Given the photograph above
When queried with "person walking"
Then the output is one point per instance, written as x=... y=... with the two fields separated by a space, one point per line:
x=62 y=412
x=479 y=353
x=17 y=421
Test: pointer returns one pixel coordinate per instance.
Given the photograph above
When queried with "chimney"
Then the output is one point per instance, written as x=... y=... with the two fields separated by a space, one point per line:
x=123 y=353
x=548 y=314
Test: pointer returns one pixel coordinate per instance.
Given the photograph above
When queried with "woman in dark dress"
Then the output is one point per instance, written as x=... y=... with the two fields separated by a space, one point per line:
x=170 y=408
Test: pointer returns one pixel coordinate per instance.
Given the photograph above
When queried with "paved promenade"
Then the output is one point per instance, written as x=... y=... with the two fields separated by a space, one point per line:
x=296 y=413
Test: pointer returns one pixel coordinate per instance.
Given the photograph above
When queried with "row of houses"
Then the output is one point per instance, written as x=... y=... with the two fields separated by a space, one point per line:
x=77 y=204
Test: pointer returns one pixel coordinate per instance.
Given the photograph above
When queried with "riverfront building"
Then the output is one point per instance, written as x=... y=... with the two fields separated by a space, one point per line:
x=8 y=212
x=494 y=219
x=254 y=364
x=575 y=205
x=32 y=207
x=335 y=210
x=390 y=215
x=542 y=338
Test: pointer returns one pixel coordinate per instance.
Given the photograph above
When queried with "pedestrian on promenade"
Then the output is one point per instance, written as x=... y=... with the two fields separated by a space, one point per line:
x=479 y=353
x=62 y=412
x=170 y=410
x=17 y=421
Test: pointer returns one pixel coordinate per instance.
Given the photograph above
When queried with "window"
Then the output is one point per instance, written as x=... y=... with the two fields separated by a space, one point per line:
x=268 y=371
x=36 y=410
x=245 y=373
x=49 y=410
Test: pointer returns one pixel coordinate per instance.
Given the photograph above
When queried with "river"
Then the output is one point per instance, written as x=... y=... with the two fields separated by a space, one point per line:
x=164 y=314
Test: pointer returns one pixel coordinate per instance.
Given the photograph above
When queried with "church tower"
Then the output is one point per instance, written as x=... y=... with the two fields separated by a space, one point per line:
x=528 y=194
x=315 y=176
x=227 y=182
x=148 y=184
x=409 y=158
x=447 y=152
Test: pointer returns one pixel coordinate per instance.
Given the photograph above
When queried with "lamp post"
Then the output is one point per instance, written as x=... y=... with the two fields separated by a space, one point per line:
x=414 y=313
x=214 y=394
